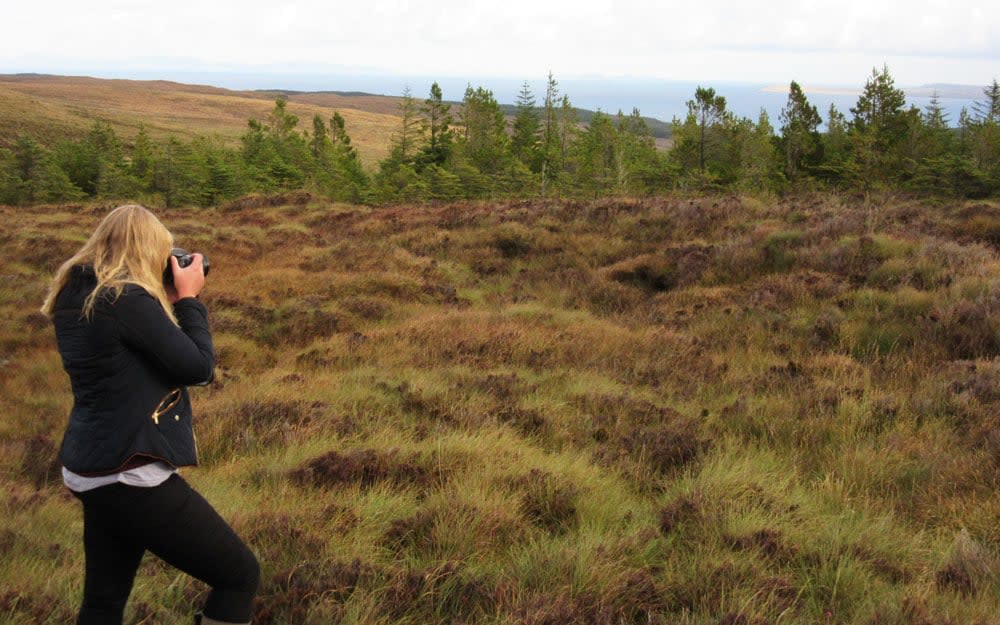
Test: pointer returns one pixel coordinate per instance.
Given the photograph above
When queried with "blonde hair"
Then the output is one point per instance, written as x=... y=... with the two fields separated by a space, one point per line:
x=129 y=246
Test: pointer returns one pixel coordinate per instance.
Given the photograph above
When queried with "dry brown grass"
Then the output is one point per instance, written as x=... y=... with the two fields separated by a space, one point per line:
x=51 y=107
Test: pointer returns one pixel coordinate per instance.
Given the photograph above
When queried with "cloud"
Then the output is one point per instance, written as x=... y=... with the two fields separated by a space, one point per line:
x=517 y=37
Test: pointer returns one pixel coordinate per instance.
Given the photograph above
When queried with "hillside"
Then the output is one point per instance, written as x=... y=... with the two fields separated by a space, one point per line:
x=55 y=107
x=675 y=410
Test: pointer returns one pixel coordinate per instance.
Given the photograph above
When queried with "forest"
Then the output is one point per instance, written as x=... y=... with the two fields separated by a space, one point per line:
x=474 y=150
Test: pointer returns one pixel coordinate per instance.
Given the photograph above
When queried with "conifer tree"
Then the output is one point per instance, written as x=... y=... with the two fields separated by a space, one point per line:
x=596 y=156
x=524 y=139
x=319 y=143
x=277 y=157
x=702 y=147
x=709 y=112
x=568 y=122
x=33 y=177
x=340 y=137
x=437 y=123
x=551 y=145
x=981 y=142
x=143 y=157
x=83 y=160
x=175 y=176
x=759 y=160
x=878 y=126
x=397 y=178
x=639 y=168
x=936 y=138
x=484 y=139
x=409 y=138
x=988 y=110
x=937 y=164
x=799 y=133
x=835 y=145
x=352 y=181
x=281 y=123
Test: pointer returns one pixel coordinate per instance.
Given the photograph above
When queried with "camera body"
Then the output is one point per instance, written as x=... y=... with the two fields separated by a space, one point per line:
x=184 y=258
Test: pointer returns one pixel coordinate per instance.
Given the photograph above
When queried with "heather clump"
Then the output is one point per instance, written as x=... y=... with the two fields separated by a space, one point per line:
x=364 y=467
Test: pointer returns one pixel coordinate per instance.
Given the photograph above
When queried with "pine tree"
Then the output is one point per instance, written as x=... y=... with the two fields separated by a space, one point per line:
x=409 y=138
x=981 y=141
x=937 y=165
x=33 y=177
x=568 y=125
x=143 y=157
x=214 y=172
x=484 y=139
x=276 y=156
x=397 y=179
x=319 y=144
x=835 y=145
x=597 y=156
x=878 y=127
x=935 y=116
x=170 y=177
x=524 y=139
x=988 y=110
x=9 y=183
x=281 y=123
x=352 y=182
x=709 y=112
x=84 y=160
x=639 y=164
x=799 y=133
x=340 y=137
x=437 y=123
x=703 y=149
x=551 y=145
x=759 y=160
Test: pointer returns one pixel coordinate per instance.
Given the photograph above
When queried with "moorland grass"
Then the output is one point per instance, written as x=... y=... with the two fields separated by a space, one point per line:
x=713 y=410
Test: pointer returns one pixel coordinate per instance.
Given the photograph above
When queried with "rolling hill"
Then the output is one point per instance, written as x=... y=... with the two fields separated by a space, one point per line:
x=54 y=107
x=50 y=108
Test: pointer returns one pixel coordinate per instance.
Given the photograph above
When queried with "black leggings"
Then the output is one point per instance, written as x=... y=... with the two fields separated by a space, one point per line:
x=174 y=522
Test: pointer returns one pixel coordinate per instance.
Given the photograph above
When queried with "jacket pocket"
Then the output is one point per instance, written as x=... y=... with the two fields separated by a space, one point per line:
x=166 y=405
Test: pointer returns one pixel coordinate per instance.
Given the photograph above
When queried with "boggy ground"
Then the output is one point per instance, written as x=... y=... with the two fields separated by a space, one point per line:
x=704 y=411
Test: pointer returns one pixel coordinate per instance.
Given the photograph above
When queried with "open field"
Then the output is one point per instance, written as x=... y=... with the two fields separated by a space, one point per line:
x=673 y=410
x=57 y=107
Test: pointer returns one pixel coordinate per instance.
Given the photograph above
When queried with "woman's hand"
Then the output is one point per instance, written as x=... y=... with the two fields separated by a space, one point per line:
x=188 y=281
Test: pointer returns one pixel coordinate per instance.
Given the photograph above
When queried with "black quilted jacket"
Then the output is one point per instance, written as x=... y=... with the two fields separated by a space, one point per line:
x=129 y=366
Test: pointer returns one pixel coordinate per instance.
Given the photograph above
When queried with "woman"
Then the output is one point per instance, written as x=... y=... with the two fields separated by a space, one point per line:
x=130 y=346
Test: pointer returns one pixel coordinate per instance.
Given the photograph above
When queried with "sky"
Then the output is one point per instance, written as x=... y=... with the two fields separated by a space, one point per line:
x=815 y=43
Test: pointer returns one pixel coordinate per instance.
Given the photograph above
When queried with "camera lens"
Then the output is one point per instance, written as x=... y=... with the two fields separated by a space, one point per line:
x=184 y=258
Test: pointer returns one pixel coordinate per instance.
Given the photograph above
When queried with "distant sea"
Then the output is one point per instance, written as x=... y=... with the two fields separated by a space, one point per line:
x=661 y=99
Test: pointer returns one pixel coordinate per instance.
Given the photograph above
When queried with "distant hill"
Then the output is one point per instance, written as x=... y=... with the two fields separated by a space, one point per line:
x=54 y=107
x=372 y=102
x=51 y=108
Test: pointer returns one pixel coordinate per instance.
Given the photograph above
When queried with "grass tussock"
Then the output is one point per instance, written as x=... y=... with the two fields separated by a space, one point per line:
x=707 y=410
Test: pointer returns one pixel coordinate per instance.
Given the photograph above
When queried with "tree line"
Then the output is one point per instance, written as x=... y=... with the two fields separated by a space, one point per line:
x=473 y=150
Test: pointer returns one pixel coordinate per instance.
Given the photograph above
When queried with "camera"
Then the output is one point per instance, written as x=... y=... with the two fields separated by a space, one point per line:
x=184 y=258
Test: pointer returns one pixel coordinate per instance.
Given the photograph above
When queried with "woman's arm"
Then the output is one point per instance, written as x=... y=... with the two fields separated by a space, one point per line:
x=184 y=353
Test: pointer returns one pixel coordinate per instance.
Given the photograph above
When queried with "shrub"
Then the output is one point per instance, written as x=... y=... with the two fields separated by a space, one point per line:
x=364 y=467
